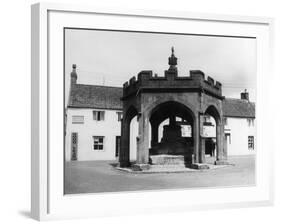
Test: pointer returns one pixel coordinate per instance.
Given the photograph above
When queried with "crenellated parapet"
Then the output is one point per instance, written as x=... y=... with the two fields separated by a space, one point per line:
x=196 y=81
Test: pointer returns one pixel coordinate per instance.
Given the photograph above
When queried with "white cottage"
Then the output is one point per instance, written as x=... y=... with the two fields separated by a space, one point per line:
x=93 y=123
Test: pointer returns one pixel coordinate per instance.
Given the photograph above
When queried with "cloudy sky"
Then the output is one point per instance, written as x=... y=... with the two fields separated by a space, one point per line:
x=111 y=58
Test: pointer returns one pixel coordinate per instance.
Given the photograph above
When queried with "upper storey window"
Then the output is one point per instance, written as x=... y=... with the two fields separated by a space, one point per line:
x=251 y=122
x=98 y=115
x=119 y=116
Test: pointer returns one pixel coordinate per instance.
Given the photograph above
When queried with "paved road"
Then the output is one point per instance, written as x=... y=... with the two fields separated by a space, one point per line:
x=100 y=176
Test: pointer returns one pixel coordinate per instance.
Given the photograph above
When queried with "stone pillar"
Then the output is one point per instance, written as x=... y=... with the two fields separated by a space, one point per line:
x=202 y=150
x=172 y=120
x=220 y=160
x=225 y=147
x=124 y=154
x=196 y=139
x=143 y=140
x=154 y=133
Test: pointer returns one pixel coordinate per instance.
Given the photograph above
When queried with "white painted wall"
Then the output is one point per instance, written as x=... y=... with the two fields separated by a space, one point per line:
x=239 y=131
x=110 y=127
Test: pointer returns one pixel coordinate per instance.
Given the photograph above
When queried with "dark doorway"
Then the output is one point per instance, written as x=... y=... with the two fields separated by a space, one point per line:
x=210 y=146
x=74 y=146
x=117 y=145
x=173 y=142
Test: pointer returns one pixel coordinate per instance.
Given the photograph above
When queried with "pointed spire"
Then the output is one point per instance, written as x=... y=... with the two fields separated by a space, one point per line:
x=173 y=60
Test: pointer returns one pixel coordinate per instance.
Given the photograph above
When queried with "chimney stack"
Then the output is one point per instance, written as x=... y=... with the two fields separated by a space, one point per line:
x=73 y=75
x=245 y=95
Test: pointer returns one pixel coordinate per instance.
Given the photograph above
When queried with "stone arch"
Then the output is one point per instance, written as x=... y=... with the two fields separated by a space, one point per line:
x=124 y=154
x=172 y=109
x=151 y=108
x=214 y=112
x=162 y=111
x=130 y=113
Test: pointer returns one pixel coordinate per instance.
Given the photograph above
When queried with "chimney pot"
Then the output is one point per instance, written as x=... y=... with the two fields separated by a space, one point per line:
x=245 y=95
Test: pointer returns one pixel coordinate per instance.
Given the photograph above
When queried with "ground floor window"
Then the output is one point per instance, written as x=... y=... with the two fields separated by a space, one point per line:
x=98 y=142
x=250 y=142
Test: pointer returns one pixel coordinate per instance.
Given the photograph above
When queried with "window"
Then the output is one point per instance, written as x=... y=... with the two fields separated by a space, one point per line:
x=250 y=142
x=98 y=142
x=119 y=115
x=250 y=122
x=228 y=138
x=77 y=119
x=98 y=115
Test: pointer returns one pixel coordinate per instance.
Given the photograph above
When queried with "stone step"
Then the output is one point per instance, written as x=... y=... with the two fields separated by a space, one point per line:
x=167 y=160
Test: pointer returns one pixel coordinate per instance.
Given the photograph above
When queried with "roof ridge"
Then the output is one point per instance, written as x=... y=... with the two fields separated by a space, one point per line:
x=237 y=99
x=99 y=86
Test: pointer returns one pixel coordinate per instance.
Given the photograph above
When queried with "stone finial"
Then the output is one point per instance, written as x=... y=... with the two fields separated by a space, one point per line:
x=173 y=60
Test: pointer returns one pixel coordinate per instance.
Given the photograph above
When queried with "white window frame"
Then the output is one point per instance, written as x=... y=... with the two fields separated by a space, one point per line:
x=119 y=115
x=100 y=115
x=98 y=143
x=251 y=142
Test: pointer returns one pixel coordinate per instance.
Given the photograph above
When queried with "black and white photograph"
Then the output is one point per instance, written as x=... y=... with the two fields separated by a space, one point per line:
x=154 y=111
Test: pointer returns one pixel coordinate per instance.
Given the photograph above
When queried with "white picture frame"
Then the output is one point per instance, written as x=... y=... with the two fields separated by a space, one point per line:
x=48 y=201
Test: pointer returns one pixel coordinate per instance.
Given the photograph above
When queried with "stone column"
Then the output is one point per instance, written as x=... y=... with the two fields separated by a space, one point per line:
x=202 y=150
x=143 y=140
x=196 y=139
x=172 y=120
x=225 y=147
x=154 y=133
x=220 y=160
x=124 y=154
x=202 y=140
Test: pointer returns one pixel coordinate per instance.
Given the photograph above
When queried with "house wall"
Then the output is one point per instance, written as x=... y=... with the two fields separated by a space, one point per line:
x=239 y=130
x=110 y=127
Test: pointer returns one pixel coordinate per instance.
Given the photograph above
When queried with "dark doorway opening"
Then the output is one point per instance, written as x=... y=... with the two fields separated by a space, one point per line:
x=117 y=145
x=74 y=146
x=169 y=122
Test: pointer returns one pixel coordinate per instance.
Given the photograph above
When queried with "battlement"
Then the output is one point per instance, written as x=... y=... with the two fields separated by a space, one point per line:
x=195 y=82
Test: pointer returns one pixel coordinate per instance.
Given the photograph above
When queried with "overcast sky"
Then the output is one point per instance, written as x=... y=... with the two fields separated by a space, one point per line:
x=111 y=58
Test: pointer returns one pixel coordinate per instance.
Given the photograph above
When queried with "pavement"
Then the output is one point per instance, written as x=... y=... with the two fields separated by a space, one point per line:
x=102 y=176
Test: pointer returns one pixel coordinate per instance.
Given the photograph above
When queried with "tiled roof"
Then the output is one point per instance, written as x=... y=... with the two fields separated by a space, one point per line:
x=91 y=96
x=238 y=108
x=105 y=97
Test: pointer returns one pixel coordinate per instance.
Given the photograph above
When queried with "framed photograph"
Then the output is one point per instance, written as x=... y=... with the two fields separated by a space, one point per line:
x=161 y=111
